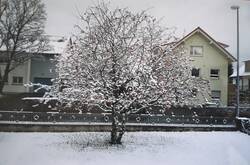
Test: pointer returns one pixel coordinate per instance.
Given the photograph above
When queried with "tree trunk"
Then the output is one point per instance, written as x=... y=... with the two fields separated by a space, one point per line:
x=116 y=134
x=114 y=128
x=5 y=77
x=118 y=129
x=120 y=135
x=1 y=86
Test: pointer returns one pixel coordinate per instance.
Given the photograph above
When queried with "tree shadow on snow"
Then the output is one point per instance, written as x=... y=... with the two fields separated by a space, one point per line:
x=89 y=141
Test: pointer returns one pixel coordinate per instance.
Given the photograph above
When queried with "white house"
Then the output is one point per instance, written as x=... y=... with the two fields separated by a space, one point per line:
x=38 y=69
x=210 y=61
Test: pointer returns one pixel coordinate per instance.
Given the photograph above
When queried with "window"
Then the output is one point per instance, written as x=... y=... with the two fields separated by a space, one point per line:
x=196 y=50
x=17 y=80
x=195 y=72
x=214 y=73
x=247 y=66
x=248 y=84
x=216 y=95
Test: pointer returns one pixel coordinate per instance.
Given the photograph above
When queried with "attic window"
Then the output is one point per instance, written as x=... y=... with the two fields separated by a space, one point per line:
x=196 y=50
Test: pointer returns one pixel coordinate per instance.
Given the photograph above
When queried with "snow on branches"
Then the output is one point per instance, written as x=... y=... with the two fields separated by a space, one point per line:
x=117 y=62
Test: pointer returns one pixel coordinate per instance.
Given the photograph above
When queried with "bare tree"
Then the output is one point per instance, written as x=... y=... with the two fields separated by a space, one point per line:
x=21 y=33
x=117 y=62
x=2 y=7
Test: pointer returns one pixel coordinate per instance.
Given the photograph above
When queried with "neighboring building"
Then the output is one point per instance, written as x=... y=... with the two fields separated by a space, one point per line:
x=39 y=69
x=244 y=84
x=210 y=60
x=244 y=73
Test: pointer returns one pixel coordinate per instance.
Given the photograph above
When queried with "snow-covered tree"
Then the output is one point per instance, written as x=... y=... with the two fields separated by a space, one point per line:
x=117 y=62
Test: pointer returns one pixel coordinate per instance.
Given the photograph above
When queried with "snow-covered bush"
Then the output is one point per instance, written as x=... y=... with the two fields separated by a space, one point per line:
x=117 y=62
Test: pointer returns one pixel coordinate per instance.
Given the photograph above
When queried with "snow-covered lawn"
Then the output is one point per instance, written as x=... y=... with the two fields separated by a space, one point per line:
x=140 y=148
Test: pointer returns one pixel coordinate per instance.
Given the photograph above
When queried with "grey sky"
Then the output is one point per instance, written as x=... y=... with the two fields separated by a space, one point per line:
x=214 y=16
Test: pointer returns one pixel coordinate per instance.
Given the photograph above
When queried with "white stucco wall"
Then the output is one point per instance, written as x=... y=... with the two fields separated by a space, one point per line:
x=212 y=58
x=37 y=67
x=20 y=71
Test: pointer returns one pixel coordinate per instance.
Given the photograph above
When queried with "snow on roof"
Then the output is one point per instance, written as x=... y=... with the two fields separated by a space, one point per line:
x=223 y=44
x=175 y=42
x=246 y=60
x=57 y=43
x=241 y=71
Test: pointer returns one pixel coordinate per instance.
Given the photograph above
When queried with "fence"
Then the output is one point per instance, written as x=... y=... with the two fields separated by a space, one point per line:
x=41 y=121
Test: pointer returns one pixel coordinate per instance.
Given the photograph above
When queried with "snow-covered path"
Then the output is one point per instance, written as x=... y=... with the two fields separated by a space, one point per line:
x=186 y=148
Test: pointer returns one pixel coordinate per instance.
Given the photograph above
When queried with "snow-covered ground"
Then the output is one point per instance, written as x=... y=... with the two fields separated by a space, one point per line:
x=185 y=148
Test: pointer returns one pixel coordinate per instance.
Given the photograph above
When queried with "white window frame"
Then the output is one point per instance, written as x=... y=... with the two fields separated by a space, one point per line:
x=215 y=76
x=194 y=52
x=216 y=98
x=219 y=94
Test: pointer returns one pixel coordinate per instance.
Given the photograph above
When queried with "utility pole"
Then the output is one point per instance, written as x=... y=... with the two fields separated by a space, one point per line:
x=238 y=77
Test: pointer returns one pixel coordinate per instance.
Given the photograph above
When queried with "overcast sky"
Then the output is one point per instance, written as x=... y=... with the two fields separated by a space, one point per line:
x=214 y=16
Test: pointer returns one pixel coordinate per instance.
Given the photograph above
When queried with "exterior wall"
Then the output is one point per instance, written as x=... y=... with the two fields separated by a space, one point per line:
x=212 y=58
x=37 y=67
x=42 y=67
x=247 y=66
x=42 y=70
x=20 y=71
x=244 y=82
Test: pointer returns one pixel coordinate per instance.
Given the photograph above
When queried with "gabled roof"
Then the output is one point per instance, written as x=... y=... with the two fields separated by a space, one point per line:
x=223 y=44
x=220 y=46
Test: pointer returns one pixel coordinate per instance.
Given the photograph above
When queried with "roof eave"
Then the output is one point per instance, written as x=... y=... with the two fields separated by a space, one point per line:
x=200 y=30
